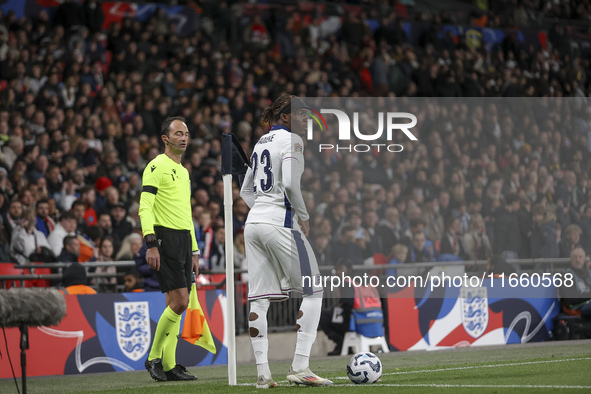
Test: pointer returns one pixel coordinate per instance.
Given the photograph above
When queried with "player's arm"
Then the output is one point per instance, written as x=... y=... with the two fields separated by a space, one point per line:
x=292 y=168
x=247 y=190
x=150 y=184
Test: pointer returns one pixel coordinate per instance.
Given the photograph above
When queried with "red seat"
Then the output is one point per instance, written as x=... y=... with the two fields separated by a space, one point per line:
x=41 y=282
x=8 y=269
x=379 y=259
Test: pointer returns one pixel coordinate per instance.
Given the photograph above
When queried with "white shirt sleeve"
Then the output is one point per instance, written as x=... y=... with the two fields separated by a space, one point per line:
x=292 y=168
x=247 y=191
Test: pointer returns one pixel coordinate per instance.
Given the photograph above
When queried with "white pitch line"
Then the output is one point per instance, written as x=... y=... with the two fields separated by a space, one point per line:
x=459 y=369
x=480 y=366
x=507 y=386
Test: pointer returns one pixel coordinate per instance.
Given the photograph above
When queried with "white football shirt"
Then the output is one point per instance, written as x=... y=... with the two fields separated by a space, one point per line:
x=271 y=187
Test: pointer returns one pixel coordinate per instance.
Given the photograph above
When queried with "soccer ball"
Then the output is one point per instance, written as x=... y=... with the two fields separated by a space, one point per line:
x=364 y=368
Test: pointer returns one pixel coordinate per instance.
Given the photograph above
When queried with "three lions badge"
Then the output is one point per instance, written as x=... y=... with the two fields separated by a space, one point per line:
x=132 y=323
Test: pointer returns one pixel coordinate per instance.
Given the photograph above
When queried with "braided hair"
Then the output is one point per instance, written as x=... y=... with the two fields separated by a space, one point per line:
x=271 y=114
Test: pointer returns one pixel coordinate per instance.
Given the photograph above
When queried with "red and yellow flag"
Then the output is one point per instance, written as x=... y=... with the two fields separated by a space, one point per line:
x=195 y=328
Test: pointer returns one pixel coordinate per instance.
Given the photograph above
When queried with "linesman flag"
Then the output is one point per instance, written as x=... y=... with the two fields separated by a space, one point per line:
x=195 y=328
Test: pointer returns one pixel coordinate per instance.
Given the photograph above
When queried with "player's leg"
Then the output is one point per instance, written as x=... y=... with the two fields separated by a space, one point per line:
x=262 y=286
x=309 y=314
x=257 y=323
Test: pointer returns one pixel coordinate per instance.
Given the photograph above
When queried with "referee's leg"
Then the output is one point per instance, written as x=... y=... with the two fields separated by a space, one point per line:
x=161 y=362
x=175 y=261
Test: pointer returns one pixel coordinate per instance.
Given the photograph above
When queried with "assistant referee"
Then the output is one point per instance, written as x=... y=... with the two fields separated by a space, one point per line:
x=167 y=225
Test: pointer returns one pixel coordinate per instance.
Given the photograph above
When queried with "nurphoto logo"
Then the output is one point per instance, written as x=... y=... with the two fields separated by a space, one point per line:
x=388 y=121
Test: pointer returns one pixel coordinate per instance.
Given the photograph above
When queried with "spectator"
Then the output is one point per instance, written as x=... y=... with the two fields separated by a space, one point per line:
x=217 y=259
x=461 y=212
x=322 y=249
x=476 y=240
x=27 y=241
x=399 y=255
x=69 y=15
x=362 y=237
x=434 y=228
x=100 y=203
x=389 y=231
x=575 y=300
x=79 y=209
x=88 y=197
x=586 y=228
x=452 y=242
x=105 y=254
x=70 y=250
x=65 y=227
x=204 y=235
x=240 y=210
x=132 y=282
x=44 y=222
x=370 y=222
x=68 y=193
x=506 y=228
x=122 y=226
x=570 y=241
x=93 y=16
x=524 y=218
x=347 y=248
x=13 y=217
x=544 y=243
x=130 y=247
x=419 y=251
x=5 y=256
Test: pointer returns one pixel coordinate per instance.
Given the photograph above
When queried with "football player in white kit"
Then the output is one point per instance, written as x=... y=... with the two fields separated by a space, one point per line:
x=277 y=251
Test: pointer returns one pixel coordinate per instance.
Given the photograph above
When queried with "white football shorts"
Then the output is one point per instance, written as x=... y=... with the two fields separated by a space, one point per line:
x=280 y=260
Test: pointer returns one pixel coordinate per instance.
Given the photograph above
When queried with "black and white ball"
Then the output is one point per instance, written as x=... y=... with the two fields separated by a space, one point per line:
x=364 y=368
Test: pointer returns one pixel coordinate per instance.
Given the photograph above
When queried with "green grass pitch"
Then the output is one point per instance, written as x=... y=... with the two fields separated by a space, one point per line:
x=528 y=368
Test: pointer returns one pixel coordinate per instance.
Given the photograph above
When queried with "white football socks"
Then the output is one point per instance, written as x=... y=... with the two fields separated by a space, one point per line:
x=257 y=322
x=307 y=326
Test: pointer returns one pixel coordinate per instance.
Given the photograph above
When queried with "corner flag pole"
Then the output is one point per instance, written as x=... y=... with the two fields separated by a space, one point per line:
x=234 y=162
x=230 y=296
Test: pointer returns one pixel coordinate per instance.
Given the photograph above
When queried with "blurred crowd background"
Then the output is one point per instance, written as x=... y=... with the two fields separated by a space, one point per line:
x=81 y=107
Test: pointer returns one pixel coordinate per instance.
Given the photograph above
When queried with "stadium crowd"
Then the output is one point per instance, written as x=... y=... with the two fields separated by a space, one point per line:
x=81 y=107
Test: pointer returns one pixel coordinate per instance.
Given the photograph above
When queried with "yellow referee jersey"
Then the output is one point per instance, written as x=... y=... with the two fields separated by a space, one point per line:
x=166 y=197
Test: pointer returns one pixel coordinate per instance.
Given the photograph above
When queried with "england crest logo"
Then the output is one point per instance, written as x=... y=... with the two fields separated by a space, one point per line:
x=132 y=323
x=474 y=307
